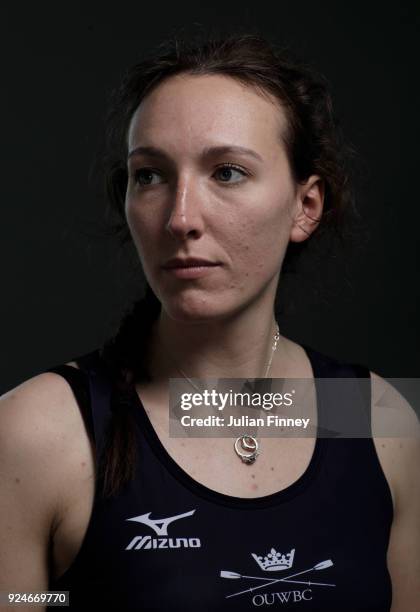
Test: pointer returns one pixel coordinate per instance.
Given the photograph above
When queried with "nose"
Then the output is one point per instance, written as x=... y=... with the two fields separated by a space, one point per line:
x=185 y=220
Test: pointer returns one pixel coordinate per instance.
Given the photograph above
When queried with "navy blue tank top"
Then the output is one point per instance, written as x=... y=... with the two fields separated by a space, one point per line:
x=166 y=542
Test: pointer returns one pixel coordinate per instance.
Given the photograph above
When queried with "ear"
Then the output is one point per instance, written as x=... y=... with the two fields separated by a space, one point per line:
x=308 y=210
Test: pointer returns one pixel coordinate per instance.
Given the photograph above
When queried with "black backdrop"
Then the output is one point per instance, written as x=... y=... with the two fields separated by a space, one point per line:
x=63 y=287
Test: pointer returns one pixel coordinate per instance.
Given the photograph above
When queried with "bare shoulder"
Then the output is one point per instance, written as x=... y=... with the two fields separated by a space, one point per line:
x=43 y=446
x=396 y=433
x=34 y=411
x=41 y=436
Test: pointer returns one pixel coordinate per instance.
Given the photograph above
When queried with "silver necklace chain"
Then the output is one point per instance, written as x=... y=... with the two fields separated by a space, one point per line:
x=245 y=446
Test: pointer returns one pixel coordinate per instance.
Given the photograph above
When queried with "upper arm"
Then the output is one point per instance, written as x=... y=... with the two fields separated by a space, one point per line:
x=400 y=458
x=30 y=446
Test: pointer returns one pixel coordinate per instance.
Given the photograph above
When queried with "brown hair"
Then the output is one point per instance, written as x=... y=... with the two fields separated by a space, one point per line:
x=314 y=145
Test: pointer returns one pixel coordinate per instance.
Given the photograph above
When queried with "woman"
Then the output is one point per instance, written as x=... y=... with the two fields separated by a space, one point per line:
x=224 y=161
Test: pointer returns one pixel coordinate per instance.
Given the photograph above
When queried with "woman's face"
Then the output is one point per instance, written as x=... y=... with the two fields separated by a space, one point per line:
x=209 y=179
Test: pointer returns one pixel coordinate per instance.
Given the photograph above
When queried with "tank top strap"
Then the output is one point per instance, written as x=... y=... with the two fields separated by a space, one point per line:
x=78 y=382
x=100 y=396
x=344 y=406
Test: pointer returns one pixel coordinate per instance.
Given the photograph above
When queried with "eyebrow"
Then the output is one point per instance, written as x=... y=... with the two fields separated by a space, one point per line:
x=207 y=152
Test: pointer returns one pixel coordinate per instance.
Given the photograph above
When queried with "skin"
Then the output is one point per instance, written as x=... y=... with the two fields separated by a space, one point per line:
x=192 y=205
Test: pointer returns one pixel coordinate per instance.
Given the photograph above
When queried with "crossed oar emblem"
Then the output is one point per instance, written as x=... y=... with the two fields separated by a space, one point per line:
x=268 y=582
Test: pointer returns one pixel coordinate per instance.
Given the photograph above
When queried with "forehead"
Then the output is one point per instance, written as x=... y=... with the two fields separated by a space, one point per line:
x=189 y=110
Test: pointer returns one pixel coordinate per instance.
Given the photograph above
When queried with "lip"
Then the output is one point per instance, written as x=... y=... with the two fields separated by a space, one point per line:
x=192 y=271
x=188 y=262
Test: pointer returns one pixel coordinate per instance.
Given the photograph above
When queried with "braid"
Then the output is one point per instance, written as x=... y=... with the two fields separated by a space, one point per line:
x=124 y=357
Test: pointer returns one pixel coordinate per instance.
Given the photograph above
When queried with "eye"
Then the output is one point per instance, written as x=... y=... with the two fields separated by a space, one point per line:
x=146 y=176
x=229 y=173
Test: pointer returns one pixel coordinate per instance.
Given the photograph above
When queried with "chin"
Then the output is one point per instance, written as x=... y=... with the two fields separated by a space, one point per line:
x=190 y=309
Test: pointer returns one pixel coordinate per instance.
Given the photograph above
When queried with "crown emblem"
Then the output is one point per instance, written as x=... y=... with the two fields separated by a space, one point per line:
x=275 y=561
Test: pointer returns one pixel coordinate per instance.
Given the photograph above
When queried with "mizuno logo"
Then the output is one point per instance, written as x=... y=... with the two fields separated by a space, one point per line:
x=159 y=526
x=147 y=542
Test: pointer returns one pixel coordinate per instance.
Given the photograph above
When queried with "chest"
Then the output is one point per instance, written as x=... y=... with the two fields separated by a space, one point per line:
x=162 y=546
x=211 y=462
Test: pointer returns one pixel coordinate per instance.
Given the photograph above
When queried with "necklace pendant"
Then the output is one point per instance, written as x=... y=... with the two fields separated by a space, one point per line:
x=246 y=447
x=250 y=459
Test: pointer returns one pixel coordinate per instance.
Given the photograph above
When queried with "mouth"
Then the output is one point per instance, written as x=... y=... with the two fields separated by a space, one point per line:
x=191 y=265
x=191 y=270
x=188 y=262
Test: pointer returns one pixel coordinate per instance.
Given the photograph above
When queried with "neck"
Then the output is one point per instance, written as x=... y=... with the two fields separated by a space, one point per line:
x=238 y=347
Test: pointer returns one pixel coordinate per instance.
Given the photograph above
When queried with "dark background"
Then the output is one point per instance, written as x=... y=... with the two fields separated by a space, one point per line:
x=64 y=283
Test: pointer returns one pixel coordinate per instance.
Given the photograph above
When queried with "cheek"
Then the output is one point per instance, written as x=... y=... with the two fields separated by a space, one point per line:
x=262 y=236
x=142 y=227
x=142 y=238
